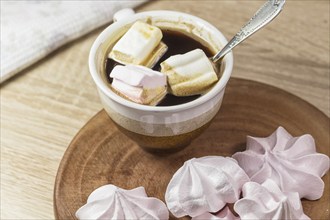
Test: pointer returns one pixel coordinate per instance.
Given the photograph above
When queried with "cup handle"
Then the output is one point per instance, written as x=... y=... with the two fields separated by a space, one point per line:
x=122 y=14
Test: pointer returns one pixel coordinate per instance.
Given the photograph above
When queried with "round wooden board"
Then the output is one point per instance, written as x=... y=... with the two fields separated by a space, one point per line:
x=100 y=154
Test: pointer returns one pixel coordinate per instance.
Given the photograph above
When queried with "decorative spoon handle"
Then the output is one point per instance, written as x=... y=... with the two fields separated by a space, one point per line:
x=263 y=16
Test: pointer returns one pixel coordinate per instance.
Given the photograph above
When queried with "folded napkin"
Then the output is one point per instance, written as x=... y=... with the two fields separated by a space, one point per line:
x=32 y=29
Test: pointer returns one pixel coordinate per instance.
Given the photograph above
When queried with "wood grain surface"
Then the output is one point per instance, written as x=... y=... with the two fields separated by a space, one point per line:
x=100 y=154
x=44 y=106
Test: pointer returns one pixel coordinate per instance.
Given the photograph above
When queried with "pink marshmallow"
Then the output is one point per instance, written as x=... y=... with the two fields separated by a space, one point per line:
x=139 y=84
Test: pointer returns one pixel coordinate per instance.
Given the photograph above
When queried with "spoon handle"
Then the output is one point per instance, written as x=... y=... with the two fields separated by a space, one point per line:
x=263 y=16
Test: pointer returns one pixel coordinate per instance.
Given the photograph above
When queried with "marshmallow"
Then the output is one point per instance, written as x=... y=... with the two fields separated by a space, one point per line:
x=189 y=74
x=155 y=55
x=224 y=214
x=139 y=45
x=203 y=185
x=112 y=202
x=292 y=162
x=139 y=84
x=267 y=201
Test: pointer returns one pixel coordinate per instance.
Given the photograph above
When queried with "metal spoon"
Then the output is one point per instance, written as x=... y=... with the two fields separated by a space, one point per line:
x=263 y=16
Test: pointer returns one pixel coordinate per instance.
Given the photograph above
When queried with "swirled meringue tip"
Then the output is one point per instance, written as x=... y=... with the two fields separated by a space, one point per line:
x=267 y=201
x=112 y=202
x=291 y=162
x=224 y=214
x=203 y=185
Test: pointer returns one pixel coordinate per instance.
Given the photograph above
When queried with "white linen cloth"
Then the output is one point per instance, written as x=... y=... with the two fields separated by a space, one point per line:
x=32 y=29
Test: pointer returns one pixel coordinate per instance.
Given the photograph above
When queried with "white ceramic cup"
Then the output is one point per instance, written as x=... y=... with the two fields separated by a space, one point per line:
x=160 y=128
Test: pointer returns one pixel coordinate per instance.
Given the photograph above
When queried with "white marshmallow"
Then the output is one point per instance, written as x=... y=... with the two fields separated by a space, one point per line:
x=137 y=44
x=139 y=84
x=189 y=74
x=155 y=55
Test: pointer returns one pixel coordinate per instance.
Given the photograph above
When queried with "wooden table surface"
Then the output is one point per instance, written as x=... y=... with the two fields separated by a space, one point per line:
x=44 y=106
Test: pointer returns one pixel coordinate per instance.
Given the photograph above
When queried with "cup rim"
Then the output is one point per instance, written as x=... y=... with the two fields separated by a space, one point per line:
x=101 y=84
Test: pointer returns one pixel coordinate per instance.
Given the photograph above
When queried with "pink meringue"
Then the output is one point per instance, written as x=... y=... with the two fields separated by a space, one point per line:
x=224 y=214
x=204 y=184
x=112 y=202
x=139 y=84
x=292 y=162
x=267 y=201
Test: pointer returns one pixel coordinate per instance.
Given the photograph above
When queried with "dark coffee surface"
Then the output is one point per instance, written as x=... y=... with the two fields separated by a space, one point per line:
x=177 y=43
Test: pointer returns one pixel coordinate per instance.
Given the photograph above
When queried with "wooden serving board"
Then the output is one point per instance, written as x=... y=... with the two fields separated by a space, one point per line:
x=100 y=154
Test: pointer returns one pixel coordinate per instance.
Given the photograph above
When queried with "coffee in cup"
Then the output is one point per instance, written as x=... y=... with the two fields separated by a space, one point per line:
x=175 y=121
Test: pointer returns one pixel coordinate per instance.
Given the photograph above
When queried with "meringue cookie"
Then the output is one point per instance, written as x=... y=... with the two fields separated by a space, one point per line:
x=112 y=202
x=139 y=84
x=137 y=44
x=224 y=214
x=267 y=201
x=204 y=184
x=292 y=162
x=189 y=74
